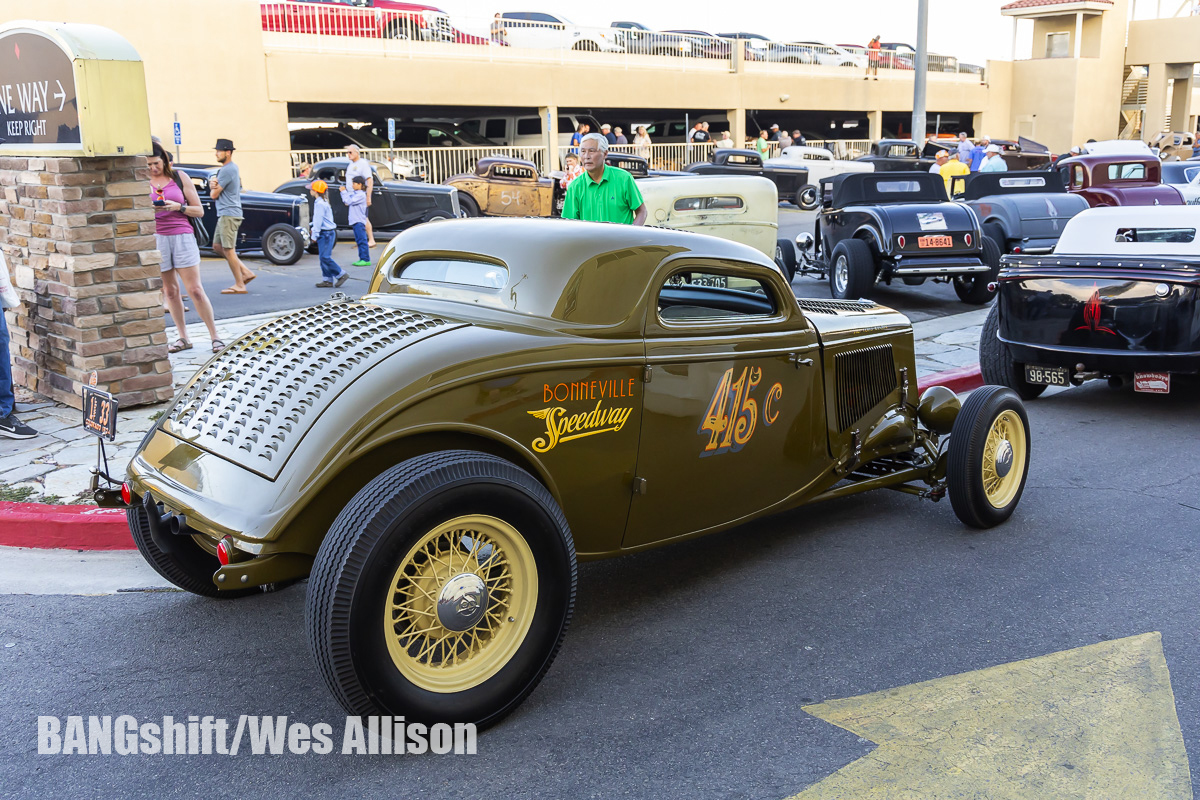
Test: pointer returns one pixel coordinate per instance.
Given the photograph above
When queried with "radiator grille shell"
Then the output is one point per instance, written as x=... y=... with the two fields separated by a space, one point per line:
x=863 y=378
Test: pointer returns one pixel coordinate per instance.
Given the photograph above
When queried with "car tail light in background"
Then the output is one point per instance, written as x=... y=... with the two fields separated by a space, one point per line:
x=1017 y=249
x=968 y=239
x=900 y=241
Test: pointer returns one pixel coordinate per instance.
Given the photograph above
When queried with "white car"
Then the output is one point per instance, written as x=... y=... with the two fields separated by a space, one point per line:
x=821 y=164
x=827 y=55
x=537 y=30
x=1184 y=176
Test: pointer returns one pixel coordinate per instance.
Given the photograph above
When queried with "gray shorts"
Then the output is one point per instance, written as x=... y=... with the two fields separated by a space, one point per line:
x=179 y=251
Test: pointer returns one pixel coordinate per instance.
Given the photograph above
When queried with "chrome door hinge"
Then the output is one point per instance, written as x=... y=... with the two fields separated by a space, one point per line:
x=639 y=485
x=646 y=373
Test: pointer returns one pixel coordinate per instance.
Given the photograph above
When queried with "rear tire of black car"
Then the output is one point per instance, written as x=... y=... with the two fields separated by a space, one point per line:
x=988 y=462
x=489 y=518
x=993 y=231
x=468 y=205
x=851 y=270
x=785 y=257
x=436 y=216
x=179 y=559
x=996 y=362
x=282 y=244
x=808 y=197
x=974 y=289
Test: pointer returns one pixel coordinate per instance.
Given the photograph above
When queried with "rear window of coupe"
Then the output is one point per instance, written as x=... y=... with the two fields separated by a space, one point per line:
x=1030 y=180
x=897 y=186
x=1127 y=172
x=725 y=203
x=1157 y=235
x=454 y=271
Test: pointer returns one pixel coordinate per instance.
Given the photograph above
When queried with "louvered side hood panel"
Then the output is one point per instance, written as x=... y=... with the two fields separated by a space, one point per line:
x=254 y=402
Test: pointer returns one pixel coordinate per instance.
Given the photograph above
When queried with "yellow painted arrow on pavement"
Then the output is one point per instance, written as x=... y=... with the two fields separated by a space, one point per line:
x=1094 y=722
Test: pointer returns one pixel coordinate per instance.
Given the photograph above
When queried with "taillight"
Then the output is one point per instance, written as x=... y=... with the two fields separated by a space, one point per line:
x=126 y=494
x=968 y=239
x=900 y=241
x=224 y=551
x=1016 y=249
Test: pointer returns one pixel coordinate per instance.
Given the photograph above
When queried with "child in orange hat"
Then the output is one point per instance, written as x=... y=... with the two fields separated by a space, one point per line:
x=324 y=233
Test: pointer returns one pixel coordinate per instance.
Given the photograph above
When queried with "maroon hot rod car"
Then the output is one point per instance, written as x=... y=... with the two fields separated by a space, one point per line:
x=1118 y=180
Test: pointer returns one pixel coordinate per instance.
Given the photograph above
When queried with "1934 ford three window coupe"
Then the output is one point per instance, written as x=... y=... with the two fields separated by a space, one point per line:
x=514 y=395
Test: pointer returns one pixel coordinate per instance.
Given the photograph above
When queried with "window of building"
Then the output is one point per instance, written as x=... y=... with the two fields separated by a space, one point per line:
x=1058 y=44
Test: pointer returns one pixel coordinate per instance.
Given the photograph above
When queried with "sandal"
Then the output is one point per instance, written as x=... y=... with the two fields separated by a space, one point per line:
x=179 y=346
x=217 y=345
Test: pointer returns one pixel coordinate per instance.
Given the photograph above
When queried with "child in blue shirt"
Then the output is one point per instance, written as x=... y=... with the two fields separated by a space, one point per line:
x=356 y=201
x=324 y=232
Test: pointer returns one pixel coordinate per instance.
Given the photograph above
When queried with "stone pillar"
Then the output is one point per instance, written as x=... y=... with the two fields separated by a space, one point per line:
x=875 y=125
x=549 y=115
x=78 y=234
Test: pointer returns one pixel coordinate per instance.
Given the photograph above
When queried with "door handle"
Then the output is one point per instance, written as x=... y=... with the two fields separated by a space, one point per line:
x=797 y=361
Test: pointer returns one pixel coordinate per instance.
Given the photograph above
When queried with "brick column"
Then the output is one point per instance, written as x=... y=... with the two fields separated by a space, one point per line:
x=78 y=234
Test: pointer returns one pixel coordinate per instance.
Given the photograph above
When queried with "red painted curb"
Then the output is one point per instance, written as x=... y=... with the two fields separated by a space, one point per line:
x=63 y=527
x=92 y=528
x=961 y=379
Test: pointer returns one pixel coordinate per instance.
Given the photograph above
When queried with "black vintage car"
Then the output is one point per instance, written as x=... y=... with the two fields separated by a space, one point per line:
x=639 y=167
x=1022 y=212
x=1118 y=299
x=878 y=227
x=898 y=155
x=274 y=224
x=395 y=205
x=731 y=161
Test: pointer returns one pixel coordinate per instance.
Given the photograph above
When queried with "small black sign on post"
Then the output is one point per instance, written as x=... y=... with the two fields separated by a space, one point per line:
x=99 y=413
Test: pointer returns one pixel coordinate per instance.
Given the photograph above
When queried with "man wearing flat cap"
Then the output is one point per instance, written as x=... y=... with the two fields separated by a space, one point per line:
x=225 y=185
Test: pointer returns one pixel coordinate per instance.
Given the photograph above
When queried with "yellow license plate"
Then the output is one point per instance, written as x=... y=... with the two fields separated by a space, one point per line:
x=935 y=241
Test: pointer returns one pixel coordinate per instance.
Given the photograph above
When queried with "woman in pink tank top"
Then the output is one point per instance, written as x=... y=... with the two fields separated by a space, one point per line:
x=175 y=201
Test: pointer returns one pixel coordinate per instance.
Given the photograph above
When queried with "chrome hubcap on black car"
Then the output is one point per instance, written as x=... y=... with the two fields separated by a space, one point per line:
x=281 y=245
x=841 y=274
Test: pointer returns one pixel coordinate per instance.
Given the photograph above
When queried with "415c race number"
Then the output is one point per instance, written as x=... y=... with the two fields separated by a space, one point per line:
x=732 y=414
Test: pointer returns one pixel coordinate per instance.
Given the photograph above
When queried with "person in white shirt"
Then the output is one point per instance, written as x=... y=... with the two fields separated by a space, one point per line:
x=725 y=141
x=359 y=167
x=992 y=160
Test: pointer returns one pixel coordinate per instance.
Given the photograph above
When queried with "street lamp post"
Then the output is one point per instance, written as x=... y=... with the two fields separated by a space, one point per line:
x=919 y=73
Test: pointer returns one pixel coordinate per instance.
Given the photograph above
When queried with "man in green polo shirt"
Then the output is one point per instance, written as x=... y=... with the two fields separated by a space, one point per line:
x=603 y=193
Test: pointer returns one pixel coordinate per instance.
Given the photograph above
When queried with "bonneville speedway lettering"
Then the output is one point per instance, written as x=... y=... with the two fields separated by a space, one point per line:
x=563 y=427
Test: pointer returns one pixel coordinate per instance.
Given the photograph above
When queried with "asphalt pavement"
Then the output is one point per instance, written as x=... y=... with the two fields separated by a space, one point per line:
x=685 y=669
x=280 y=288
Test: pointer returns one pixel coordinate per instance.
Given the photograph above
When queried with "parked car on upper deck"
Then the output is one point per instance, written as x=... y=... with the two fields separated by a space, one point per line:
x=1118 y=180
x=1118 y=299
x=387 y=19
x=756 y=45
x=274 y=223
x=1185 y=177
x=637 y=38
x=516 y=395
x=888 y=59
x=826 y=55
x=536 y=29
x=937 y=63
x=820 y=164
x=789 y=178
x=876 y=227
x=705 y=45
x=1022 y=212
x=395 y=205
x=507 y=187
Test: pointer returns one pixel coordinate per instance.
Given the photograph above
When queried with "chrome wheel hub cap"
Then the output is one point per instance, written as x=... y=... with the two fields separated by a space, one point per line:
x=1004 y=458
x=462 y=602
x=841 y=274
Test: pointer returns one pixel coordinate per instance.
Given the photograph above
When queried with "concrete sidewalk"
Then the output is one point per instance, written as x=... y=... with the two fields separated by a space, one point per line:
x=56 y=466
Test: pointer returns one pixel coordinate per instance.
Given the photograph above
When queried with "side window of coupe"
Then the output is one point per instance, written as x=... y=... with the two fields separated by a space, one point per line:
x=700 y=295
x=1077 y=175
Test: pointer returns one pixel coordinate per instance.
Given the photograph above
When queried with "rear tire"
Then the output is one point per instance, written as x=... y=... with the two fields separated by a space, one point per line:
x=989 y=457
x=808 y=197
x=178 y=558
x=408 y=548
x=785 y=257
x=851 y=270
x=437 y=216
x=993 y=231
x=996 y=363
x=974 y=289
x=468 y=205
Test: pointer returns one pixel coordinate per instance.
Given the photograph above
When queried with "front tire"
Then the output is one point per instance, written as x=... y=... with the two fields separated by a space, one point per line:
x=808 y=197
x=282 y=244
x=443 y=590
x=974 y=289
x=785 y=257
x=468 y=205
x=851 y=270
x=989 y=457
x=996 y=362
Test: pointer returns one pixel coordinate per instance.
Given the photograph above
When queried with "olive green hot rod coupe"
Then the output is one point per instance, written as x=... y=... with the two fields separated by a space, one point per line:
x=516 y=394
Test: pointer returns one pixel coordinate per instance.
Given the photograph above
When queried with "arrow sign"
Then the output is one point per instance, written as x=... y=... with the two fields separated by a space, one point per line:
x=1097 y=721
x=60 y=95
